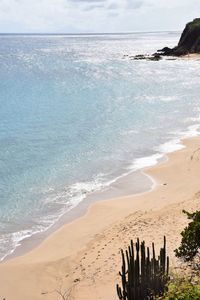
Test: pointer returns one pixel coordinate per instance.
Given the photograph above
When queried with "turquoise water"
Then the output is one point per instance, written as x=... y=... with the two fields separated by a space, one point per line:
x=75 y=115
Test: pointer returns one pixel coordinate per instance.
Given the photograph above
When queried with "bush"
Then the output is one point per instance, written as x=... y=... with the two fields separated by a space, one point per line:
x=190 y=243
x=182 y=289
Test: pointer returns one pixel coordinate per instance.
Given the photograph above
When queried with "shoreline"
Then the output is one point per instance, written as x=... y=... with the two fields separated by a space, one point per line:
x=120 y=187
x=83 y=256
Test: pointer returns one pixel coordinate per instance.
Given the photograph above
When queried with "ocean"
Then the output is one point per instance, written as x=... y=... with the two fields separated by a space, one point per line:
x=76 y=115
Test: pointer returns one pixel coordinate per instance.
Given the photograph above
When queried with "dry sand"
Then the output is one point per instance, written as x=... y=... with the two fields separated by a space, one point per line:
x=191 y=56
x=82 y=258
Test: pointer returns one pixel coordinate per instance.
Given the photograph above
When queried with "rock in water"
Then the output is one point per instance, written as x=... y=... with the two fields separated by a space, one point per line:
x=188 y=43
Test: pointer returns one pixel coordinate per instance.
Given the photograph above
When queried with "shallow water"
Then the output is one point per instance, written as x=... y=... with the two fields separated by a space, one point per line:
x=75 y=115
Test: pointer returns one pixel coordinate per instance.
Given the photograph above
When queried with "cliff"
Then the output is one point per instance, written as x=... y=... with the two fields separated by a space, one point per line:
x=188 y=43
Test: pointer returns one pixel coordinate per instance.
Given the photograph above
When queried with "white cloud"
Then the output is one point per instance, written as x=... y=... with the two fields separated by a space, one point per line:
x=95 y=15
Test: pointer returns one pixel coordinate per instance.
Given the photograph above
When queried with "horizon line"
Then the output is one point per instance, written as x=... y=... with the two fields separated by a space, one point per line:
x=85 y=33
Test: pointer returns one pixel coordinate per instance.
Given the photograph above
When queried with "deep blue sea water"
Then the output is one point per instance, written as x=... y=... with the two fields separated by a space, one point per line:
x=75 y=115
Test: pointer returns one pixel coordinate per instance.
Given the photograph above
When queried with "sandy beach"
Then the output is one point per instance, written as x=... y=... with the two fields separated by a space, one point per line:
x=81 y=260
x=191 y=56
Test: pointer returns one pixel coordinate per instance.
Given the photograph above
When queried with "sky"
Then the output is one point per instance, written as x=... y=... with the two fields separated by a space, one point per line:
x=95 y=16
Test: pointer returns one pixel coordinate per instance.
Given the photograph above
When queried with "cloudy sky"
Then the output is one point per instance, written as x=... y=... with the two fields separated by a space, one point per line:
x=73 y=16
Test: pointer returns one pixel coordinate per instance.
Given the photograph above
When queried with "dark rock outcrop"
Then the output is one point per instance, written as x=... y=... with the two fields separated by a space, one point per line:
x=154 y=57
x=188 y=43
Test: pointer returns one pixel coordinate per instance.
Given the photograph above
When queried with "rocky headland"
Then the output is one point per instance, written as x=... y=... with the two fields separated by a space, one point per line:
x=189 y=43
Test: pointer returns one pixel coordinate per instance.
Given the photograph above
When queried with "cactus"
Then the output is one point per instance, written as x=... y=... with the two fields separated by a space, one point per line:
x=142 y=277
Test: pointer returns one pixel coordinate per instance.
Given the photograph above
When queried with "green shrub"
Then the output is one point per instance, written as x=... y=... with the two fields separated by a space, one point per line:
x=190 y=243
x=182 y=289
